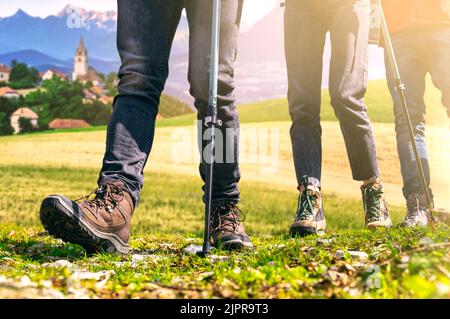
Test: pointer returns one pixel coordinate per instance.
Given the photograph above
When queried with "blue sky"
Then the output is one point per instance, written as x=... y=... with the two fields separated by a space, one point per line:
x=253 y=10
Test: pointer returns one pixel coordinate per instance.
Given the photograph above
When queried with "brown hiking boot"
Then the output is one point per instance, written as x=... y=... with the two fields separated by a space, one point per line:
x=227 y=230
x=375 y=207
x=98 y=224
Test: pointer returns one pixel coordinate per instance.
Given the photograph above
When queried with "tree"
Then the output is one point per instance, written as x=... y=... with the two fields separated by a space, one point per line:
x=111 y=84
x=5 y=125
x=25 y=125
x=57 y=99
x=7 y=107
x=22 y=77
x=96 y=113
x=64 y=99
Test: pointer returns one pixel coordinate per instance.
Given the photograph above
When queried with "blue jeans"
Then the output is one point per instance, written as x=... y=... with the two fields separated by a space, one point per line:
x=306 y=25
x=145 y=34
x=419 y=50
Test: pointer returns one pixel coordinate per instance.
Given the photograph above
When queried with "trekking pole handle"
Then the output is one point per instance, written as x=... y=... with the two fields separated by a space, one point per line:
x=214 y=72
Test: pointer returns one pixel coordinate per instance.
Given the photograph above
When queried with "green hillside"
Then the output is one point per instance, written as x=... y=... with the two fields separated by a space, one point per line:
x=170 y=107
x=378 y=101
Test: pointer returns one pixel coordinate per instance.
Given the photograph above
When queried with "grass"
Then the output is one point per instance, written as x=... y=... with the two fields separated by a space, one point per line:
x=400 y=264
x=85 y=150
x=70 y=130
x=170 y=205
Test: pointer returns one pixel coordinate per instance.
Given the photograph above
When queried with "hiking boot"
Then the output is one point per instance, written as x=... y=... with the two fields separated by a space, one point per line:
x=98 y=224
x=309 y=218
x=227 y=230
x=417 y=214
x=375 y=206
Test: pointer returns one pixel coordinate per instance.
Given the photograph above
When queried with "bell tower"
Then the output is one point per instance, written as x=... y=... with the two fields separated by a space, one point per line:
x=80 y=66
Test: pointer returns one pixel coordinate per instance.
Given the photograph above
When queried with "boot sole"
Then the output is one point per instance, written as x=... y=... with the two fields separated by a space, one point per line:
x=302 y=230
x=66 y=223
x=235 y=244
x=383 y=224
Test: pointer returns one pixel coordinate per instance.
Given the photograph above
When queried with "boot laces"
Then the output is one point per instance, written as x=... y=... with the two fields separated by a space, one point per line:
x=372 y=198
x=107 y=196
x=227 y=217
x=413 y=208
x=307 y=202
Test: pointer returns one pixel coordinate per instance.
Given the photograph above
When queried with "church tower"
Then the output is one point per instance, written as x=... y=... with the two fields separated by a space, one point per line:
x=80 y=66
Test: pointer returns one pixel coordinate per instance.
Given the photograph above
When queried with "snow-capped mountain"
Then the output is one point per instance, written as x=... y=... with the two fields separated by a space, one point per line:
x=101 y=20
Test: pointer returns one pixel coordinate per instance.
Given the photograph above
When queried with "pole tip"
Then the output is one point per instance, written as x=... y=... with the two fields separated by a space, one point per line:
x=203 y=253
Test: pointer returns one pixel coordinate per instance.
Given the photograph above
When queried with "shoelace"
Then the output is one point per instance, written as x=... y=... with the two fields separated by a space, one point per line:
x=104 y=197
x=412 y=214
x=305 y=204
x=415 y=209
x=372 y=202
x=228 y=215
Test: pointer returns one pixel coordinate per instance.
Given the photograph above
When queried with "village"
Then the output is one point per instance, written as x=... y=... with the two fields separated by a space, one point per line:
x=93 y=91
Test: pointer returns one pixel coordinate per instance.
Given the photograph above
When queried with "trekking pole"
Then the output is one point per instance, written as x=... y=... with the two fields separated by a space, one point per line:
x=211 y=122
x=401 y=88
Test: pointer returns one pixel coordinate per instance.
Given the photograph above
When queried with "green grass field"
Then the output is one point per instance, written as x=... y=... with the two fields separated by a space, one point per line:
x=393 y=263
x=399 y=263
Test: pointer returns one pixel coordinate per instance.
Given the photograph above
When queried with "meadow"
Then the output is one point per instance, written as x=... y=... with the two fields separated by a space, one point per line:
x=348 y=262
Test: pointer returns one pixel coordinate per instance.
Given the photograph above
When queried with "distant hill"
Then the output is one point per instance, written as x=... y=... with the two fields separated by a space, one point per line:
x=30 y=57
x=45 y=67
x=43 y=62
x=378 y=101
x=264 y=41
x=171 y=107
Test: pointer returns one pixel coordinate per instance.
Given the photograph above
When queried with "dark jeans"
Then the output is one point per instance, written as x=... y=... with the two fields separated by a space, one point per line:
x=419 y=51
x=145 y=34
x=306 y=25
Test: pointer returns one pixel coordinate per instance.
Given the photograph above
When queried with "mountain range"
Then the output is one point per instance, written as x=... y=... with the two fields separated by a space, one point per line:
x=43 y=62
x=51 y=42
x=58 y=35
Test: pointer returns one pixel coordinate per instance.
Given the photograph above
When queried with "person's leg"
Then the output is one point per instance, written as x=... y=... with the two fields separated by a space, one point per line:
x=145 y=34
x=408 y=52
x=305 y=29
x=439 y=61
x=226 y=169
x=304 y=45
x=226 y=228
x=438 y=53
x=349 y=32
x=348 y=84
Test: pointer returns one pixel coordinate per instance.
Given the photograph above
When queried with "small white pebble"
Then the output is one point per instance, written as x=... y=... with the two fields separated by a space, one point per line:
x=193 y=249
